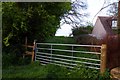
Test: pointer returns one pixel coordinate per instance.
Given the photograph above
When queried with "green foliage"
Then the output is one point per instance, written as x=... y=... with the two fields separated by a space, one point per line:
x=84 y=73
x=61 y=39
x=82 y=30
x=81 y=34
x=34 y=20
x=9 y=59
x=36 y=71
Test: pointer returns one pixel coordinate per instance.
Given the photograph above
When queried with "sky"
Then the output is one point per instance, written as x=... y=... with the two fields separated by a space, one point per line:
x=93 y=8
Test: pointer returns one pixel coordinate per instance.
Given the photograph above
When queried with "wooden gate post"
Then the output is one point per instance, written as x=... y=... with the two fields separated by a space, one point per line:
x=34 y=51
x=103 y=62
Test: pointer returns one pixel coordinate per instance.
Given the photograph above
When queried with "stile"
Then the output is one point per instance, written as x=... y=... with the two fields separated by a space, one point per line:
x=29 y=52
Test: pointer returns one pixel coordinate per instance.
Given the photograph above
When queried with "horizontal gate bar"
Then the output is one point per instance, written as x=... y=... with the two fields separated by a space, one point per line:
x=62 y=65
x=92 y=67
x=70 y=51
x=57 y=64
x=69 y=60
x=69 y=45
x=69 y=56
x=65 y=63
x=57 y=61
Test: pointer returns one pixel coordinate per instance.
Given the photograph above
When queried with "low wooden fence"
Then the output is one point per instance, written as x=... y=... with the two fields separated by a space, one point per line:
x=71 y=55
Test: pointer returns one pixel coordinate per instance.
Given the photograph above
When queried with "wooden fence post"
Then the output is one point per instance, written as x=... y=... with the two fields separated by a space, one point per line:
x=34 y=50
x=103 y=62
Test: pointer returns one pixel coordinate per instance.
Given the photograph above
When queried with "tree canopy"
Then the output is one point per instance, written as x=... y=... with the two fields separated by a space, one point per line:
x=32 y=19
x=75 y=17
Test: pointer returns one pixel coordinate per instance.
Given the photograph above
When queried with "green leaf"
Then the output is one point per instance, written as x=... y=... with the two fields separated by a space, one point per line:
x=5 y=41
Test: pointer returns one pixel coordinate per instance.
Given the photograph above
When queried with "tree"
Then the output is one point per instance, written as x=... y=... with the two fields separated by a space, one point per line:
x=76 y=15
x=37 y=20
x=113 y=9
x=34 y=20
x=82 y=30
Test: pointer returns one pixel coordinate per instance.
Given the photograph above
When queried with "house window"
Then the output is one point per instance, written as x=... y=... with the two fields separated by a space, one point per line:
x=114 y=24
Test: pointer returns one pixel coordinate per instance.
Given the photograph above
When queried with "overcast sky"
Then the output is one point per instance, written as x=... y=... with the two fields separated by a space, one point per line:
x=93 y=7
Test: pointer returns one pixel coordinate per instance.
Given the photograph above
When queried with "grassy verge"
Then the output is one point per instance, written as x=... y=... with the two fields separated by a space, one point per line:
x=35 y=70
x=32 y=71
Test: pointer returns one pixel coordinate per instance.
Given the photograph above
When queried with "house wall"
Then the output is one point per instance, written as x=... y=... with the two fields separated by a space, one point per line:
x=112 y=41
x=98 y=30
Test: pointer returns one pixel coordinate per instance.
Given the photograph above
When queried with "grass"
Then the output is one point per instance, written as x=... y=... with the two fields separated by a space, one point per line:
x=26 y=71
x=37 y=71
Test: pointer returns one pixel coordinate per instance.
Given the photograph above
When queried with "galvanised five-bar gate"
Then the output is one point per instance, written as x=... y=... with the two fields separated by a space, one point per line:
x=71 y=55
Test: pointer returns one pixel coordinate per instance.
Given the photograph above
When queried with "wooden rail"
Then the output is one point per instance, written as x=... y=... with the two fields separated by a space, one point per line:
x=31 y=52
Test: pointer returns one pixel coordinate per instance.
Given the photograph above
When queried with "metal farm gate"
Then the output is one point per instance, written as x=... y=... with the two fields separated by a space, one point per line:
x=71 y=55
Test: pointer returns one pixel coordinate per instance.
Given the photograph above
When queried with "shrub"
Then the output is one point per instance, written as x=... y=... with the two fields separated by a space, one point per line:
x=61 y=39
x=81 y=30
x=87 y=39
x=9 y=59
